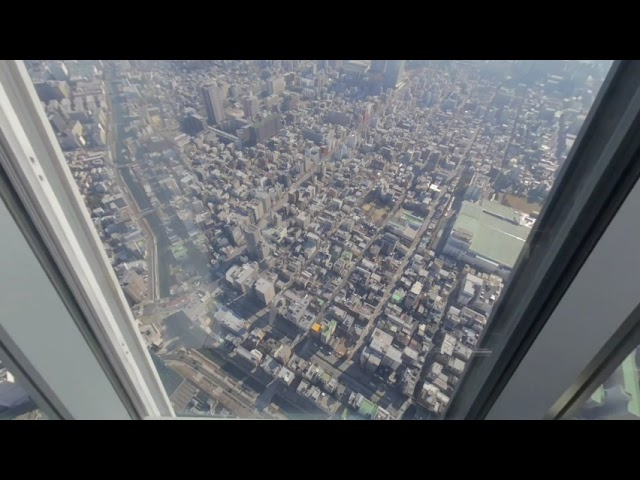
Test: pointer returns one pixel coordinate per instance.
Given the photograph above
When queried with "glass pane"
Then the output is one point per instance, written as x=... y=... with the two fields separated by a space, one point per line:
x=15 y=403
x=319 y=239
x=618 y=398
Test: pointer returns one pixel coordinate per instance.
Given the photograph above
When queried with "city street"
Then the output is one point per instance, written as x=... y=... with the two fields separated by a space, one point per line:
x=451 y=159
x=116 y=145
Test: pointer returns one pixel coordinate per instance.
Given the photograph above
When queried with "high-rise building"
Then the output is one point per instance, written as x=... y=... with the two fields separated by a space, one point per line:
x=276 y=85
x=328 y=331
x=477 y=188
x=276 y=310
x=257 y=209
x=264 y=129
x=52 y=90
x=290 y=101
x=134 y=286
x=265 y=290
x=59 y=71
x=393 y=73
x=413 y=295
x=262 y=250
x=252 y=236
x=265 y=200
x=234 y=234
x=378 y=66
x=250 y=107
x=389 y=242
x=194 y=124
x=213 y=101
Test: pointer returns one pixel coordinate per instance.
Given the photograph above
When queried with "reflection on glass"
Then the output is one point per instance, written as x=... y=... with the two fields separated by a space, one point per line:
x=319 y=239
x=619 y=397
x=15 y=403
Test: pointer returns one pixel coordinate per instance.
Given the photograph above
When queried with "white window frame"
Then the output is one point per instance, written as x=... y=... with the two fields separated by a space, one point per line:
x=572 y=299
x=39 y=342
x=594 y=309
x=37 y=170
x=47 y=207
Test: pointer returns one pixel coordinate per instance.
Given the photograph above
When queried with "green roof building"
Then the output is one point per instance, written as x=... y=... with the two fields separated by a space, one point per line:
x=180 y=252
x=488 y=236
x=397 y=296
x=328 y=331
x=367 y=408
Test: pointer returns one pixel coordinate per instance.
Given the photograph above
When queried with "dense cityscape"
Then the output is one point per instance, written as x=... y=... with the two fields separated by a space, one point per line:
x=314 y=239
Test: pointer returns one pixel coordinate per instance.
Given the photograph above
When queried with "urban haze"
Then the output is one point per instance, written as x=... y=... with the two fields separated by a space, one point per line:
x=314 y=239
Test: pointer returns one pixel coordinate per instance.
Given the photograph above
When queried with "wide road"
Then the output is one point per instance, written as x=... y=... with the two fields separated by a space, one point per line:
x=416 y=241
x=373 y=238
x=115 y=142
x=389 y=290
x=512 y=133
x=400 y=269
x=305 y=334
